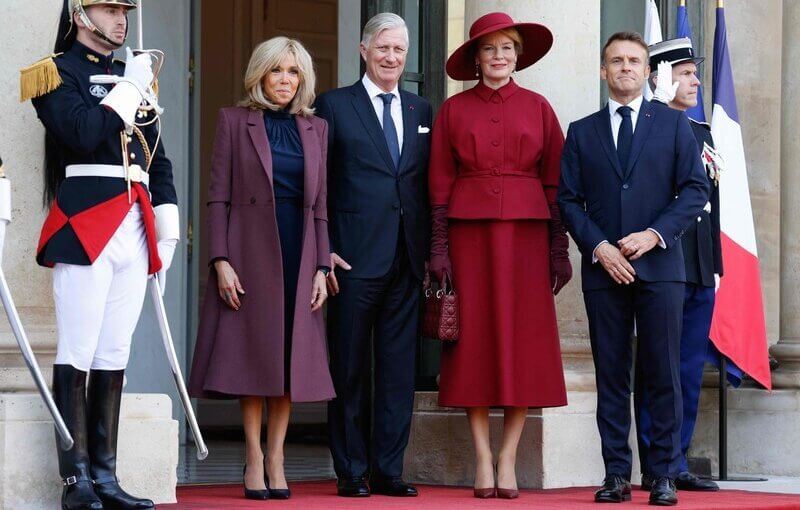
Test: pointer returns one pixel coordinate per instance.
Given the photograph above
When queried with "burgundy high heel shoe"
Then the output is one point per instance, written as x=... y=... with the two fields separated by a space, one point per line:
x=489 y=492
x=506 y=493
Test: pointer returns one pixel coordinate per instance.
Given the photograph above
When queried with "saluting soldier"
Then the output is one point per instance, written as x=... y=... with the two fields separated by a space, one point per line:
x=676 y=84
x=113 y=221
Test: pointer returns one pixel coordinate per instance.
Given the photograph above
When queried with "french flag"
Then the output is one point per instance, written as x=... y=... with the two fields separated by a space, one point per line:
x=696 y=112
x=652 y=35
x=738 y=327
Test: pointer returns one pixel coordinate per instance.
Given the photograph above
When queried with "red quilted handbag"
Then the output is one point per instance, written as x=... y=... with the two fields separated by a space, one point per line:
x=441 y=313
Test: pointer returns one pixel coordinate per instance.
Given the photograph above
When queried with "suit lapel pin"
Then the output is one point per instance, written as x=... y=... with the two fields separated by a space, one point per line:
x=646 y=114
x=411 y=107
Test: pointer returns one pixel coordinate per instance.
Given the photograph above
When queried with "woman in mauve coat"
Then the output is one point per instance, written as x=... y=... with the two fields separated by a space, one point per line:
x=494 y=171
x=261 y=333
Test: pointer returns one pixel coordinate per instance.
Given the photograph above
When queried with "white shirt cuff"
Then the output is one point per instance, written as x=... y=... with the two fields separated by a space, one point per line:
x=594 y=257
x=661 y=242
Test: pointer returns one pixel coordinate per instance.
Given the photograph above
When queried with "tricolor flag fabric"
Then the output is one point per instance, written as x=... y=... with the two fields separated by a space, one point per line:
x=652 y=35
x=685 y=30
x=738 y=328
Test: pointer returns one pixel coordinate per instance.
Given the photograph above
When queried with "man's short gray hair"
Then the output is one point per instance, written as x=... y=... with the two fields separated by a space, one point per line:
x=380 y=22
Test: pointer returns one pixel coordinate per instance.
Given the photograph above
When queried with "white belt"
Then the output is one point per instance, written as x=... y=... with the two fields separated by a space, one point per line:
x=135 y=172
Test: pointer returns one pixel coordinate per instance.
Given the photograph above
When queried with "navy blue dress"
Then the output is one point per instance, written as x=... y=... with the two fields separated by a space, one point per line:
x=287 y=176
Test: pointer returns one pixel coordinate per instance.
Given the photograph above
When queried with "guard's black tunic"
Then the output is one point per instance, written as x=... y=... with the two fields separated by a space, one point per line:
x=87 y=132
x=702 y=252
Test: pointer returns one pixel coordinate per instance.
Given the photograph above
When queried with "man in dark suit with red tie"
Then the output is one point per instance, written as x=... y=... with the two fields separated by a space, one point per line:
x=631 y=183
x=378 y=147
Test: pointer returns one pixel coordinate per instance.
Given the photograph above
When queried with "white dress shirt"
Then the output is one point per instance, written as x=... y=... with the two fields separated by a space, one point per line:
x=374 y=92
x=616 y=121
x=616 y=118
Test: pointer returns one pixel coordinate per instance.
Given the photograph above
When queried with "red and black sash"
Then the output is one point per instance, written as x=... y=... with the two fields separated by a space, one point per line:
x=94 y=226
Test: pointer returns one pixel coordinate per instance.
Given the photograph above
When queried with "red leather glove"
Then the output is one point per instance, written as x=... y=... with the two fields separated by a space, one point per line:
x=560 y=267
x=440 y=259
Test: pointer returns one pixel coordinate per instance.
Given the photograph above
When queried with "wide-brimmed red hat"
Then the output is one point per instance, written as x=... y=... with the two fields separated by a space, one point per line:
x=536 y=42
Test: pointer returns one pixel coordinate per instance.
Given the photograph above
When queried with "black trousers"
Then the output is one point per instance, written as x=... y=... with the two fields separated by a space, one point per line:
x=373 y=326
x=657 y=309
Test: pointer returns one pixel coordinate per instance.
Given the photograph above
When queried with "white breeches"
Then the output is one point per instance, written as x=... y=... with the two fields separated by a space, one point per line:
x=98 y=306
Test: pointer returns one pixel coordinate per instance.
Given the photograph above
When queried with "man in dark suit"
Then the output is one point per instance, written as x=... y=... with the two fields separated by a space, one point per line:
x=631 y=183
x=676 y=84
x=379 y=229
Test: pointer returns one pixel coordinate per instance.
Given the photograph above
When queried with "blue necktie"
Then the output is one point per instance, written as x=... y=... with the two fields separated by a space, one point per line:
x=624 y=136
x=389 y=131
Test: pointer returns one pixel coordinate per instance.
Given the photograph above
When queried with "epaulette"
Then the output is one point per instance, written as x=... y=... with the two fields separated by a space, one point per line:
x=39 y=78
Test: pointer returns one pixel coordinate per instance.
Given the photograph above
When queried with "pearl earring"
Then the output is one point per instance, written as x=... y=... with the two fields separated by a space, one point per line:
x=477 y=70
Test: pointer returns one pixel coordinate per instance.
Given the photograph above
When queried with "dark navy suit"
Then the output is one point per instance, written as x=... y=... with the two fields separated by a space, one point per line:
x=379 y=223
x=663 y=187
x=703 y=258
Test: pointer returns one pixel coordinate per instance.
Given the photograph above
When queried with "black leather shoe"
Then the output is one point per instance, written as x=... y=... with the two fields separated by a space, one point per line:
x=352 y=487
x=258 y=494
x=393 y=487
x=69 y=393
x=647 y=483
x=276 y=493
x=103 y=398
x=663 y=492
x=79 y=495
x=689 y=482
x=615 y=489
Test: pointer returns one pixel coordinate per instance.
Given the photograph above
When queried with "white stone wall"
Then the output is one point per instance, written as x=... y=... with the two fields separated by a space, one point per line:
x=27 y=35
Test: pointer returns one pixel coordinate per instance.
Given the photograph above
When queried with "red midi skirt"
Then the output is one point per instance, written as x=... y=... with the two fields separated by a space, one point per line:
x=508 y=351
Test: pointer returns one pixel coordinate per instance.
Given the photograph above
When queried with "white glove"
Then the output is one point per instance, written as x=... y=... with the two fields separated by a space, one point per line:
x=168 y=233
x=665 y=87
x=127 y=94
x=139 y=69
x=166 y=250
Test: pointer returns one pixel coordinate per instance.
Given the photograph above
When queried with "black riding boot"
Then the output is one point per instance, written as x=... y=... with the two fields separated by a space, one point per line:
x=69 y=393
x=105 y=394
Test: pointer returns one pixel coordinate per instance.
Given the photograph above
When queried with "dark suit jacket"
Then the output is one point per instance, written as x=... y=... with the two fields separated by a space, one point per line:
x=664 y=188
x=367 y=197
x=702 y=248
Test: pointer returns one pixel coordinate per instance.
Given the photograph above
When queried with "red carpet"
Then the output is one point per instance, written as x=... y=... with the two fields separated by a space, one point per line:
x=322 y=495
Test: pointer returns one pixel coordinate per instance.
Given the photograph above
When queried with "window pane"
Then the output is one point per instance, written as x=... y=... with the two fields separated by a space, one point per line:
x=411 y=15
x=618 y=16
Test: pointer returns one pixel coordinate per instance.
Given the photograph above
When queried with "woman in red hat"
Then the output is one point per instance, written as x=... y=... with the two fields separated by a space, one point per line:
x=494 y=171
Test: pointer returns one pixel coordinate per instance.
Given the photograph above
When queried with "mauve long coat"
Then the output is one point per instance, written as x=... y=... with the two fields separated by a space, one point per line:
x=241 y=353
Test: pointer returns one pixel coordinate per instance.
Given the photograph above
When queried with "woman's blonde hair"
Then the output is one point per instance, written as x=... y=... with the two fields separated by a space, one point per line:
x=509 y=32
x=267 y=56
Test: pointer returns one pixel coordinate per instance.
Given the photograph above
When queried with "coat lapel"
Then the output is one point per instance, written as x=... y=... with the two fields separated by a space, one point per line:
x=602 y=123
x=410 y=124
x=258 y=135
x=643 y=124
x=366 y=112
x=311 y=155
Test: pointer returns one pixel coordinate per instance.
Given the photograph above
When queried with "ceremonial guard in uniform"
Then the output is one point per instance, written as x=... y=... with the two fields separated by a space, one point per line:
x=677 y=85
x=113 y=221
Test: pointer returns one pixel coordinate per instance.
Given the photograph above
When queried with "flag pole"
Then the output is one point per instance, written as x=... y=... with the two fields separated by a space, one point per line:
x=723 y=406
x=139 y=31
x=723 y=417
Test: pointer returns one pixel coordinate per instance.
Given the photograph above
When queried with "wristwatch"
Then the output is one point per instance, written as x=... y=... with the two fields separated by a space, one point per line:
x=324 y=270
